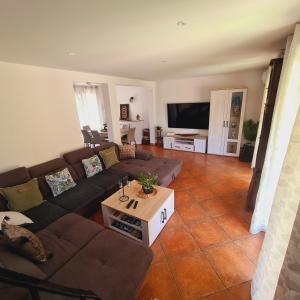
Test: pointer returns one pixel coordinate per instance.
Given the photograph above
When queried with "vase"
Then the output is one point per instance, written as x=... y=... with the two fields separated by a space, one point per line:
x=148 y=190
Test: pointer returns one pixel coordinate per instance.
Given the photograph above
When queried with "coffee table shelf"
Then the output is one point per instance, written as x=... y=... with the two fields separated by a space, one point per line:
x=125 y=222
x=151 y=215
x=126 y=233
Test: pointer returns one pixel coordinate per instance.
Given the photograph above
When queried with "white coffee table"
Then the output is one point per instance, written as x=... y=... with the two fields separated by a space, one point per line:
x=146 y=221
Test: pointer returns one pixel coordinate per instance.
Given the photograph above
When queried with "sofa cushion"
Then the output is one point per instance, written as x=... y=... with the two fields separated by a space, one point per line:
x=14 y=177
x=60 y=182
x=17 y=263
x=108 y=179
x=43 y=215
x=78 y=197
x=142 y=154
x=113 y=267
x=11 y=178
x=74 y=158
x=66 y=237
x=92 y=165
x=134 y=167
x=24 y=242
x=23 y=196
x=127 y=151
x=50 y=167
x=14 y=262
x=167 y=169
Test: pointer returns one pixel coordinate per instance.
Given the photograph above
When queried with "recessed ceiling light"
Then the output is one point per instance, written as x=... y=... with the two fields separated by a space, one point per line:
x=181 y=23
x=71 y=53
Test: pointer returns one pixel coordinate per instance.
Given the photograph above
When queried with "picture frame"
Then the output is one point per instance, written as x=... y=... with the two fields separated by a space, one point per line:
x=124 y=112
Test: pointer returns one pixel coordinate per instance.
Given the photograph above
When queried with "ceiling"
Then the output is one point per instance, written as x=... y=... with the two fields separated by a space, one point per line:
x=141 y=38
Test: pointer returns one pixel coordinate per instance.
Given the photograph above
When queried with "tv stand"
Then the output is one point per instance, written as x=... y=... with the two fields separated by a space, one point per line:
x=186 y=142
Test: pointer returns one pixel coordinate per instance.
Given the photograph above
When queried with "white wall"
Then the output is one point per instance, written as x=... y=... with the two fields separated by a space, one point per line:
x=143 y=104
x=38 y=117
x=140 y=103
x=198 y=90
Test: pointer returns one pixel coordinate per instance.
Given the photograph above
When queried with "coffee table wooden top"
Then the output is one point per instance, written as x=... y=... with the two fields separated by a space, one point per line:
x=146 y=207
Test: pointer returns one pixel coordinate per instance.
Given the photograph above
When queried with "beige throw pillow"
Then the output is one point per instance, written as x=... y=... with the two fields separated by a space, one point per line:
x=127 y=151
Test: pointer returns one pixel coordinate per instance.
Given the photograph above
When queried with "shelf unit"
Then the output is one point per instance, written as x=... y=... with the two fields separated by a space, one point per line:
x=131 y=230
x=192 y=143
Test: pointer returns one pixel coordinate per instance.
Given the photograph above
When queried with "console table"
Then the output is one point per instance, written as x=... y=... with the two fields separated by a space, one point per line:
x=186 y=142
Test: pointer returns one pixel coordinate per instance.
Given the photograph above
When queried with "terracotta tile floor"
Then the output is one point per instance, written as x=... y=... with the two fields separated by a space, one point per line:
x=205 y=251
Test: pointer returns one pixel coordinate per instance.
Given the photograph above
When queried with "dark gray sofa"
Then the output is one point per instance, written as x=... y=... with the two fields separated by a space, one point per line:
x=86 y=255
x=165 y=168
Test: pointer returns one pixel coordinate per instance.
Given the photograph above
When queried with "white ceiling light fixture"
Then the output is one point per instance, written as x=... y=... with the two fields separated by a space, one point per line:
x=181 y=23
x=71 y=53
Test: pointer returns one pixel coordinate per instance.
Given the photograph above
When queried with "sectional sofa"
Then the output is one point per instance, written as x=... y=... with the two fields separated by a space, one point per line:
x=85 y=255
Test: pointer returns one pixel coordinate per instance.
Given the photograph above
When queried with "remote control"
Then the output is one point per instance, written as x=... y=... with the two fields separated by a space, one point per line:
x=130 y=203
x=135 y=204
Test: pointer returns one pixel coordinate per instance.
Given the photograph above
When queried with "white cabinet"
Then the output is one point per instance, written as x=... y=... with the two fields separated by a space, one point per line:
x=226 y=121
x=159 y=220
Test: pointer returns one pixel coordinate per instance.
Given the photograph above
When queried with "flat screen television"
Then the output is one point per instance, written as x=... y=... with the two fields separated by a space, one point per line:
x=188 y=115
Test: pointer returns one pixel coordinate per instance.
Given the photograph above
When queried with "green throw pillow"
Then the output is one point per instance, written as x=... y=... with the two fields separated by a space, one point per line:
x=109 y=157
x=23 y=196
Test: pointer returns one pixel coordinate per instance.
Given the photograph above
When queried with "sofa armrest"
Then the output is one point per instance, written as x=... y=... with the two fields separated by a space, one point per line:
x=143 y=154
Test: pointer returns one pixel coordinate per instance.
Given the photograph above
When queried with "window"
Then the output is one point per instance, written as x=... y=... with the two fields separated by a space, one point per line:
x=90 y=106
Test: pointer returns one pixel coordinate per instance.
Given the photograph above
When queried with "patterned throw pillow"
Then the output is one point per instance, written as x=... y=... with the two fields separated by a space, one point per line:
x=92 y=166
x=23 y=196
x=127 y=151
x=24 y=242
x=109 y=157
x=60 y=182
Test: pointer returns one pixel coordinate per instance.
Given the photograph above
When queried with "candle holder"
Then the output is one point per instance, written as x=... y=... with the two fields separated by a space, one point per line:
x=122 y=183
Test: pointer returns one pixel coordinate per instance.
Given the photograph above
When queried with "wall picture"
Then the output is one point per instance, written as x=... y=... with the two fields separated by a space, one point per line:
x=124 y=112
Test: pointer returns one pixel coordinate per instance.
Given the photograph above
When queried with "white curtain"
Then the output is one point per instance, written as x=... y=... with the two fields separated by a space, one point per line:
x=283 y=198
x=284 y=116
x=90 y=106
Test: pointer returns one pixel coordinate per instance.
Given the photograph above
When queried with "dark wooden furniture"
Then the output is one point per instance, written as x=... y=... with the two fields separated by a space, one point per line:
x=159 y=137
x=276 y=65
x=246 y=153
x=146 y=136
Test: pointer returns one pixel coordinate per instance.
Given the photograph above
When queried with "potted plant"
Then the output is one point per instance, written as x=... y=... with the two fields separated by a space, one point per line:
x=104 y=126
x=158 y=131
x=250 y=133
x=147 y=181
